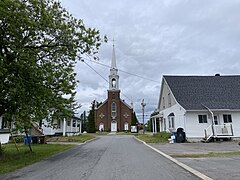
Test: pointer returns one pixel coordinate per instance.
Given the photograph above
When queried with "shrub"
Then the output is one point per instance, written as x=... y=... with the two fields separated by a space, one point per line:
x=163 y=135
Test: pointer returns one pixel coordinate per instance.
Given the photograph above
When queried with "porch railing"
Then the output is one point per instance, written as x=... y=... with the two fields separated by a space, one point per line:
x=223 y=130
x=219 y=130
x=208 y=132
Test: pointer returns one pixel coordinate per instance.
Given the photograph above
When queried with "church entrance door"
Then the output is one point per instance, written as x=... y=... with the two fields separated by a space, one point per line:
x=101 y=127
x=113 y=126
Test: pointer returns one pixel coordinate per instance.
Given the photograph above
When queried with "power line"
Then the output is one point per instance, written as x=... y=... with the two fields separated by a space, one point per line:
x=95 y=71
x=122 y=71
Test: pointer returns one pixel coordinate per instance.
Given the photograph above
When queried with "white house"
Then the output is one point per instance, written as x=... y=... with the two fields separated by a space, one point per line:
x=4 y=131
x=205 y=107
x=69 y=127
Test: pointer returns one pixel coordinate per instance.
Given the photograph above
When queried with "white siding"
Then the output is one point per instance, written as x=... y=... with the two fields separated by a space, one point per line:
x=194 y=129
x=51 y=131
x=235 y=121
x=179 y=116
x=166 y=97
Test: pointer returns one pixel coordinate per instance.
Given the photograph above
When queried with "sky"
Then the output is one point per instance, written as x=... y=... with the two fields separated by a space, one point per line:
x=156 y=38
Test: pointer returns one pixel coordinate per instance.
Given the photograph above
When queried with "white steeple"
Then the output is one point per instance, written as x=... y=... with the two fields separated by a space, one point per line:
x=113 y=77
x=114 y=64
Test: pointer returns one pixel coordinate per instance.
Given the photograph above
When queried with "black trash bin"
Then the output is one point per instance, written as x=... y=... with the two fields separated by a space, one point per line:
x=42 y=140
x=34 y=139
x=181 y=136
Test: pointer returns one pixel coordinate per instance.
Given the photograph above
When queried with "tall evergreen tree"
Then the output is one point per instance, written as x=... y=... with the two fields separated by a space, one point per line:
x=84 y=121
x=134 y=119
x=91 y=117
x=91 y=121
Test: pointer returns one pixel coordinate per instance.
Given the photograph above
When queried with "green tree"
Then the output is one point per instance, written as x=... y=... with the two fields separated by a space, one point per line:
x=91 y=117
x=134 y=119
x=84 y=121
x=40 y=43
x=91 y=120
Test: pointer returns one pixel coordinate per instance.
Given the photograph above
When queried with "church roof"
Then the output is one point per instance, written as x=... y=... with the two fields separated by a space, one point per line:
x=215 y=92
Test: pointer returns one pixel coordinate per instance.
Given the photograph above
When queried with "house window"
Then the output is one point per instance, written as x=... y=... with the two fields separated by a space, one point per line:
x=227 y=118
x=163 y=100
x=68 y=123
x=202 y=118
x=169 y=100
x=114 y=109
x=59 y=123
x=171 y=122
x=4 y=122
x=74 y=123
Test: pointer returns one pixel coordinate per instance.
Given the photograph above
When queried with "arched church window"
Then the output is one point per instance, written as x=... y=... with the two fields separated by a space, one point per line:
x=114 y=109
x=114 y=83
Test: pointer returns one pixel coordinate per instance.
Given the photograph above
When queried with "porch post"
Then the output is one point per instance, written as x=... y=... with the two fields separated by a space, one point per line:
x=152 y=126
x=159 y=124
x=155 y=124
x=64 y=127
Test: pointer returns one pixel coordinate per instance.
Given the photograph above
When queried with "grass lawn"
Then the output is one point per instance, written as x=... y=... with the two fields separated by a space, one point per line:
x=80 y=138
x=210 y=154
x=12 y=160
x=161 y=137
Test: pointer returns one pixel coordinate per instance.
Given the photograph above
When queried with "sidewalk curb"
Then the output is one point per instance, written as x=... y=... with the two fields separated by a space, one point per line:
x=74 y=143
x=94 y=139
x=184 y=166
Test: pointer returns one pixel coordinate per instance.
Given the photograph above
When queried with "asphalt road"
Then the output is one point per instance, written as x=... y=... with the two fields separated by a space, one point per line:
x=112 y=157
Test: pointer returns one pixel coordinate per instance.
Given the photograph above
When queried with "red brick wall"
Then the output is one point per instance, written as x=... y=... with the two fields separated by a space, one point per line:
x=105 y=109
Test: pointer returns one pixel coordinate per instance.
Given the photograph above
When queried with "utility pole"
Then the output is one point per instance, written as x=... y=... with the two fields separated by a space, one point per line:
x=143 y=105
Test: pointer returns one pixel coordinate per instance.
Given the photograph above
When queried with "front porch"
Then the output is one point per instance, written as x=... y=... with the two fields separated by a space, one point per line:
x=218 y=131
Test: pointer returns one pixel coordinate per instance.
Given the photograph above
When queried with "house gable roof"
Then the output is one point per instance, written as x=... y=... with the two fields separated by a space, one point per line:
x=215 y=92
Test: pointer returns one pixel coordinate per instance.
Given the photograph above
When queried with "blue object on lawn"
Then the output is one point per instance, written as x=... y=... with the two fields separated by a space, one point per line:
x=26 y=140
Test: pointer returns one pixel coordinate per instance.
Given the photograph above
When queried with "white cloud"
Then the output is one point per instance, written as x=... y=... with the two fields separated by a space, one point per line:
x=158 y=37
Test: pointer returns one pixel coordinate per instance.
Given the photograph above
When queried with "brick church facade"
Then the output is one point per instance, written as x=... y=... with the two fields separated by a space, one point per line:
x=114 y=114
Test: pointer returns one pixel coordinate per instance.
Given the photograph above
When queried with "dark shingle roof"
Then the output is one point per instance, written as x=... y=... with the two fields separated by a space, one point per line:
x=216 y=92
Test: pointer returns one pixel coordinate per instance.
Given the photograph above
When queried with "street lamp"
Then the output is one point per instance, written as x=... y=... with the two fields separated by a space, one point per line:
x=143 y=105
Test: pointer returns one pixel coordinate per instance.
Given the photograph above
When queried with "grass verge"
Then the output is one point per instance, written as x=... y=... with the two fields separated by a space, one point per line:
x=12 y=160
x=210 y=154
x=80 y=138
x=161 y=137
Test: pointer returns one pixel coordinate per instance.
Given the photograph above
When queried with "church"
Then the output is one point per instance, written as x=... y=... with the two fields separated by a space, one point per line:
x=114 y=114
